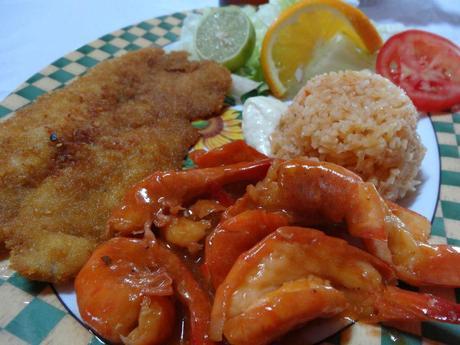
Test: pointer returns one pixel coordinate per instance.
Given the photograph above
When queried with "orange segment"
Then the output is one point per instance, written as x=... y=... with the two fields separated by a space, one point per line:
x=290 y=43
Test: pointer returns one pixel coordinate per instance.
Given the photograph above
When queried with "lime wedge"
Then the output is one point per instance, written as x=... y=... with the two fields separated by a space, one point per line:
x=225 y=35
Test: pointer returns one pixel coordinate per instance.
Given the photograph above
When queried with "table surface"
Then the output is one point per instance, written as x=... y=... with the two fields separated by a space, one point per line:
x=34 y=33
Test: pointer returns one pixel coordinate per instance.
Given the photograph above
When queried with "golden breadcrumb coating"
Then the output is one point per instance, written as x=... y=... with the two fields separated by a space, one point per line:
x=67 y=159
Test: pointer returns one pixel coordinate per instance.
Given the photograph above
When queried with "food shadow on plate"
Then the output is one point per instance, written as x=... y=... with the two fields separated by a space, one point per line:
x=315 y=331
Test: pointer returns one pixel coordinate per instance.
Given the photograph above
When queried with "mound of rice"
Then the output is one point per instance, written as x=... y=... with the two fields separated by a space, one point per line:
x=360 y=121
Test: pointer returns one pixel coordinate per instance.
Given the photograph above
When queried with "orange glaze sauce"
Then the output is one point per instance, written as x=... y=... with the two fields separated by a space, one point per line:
x=181 y=331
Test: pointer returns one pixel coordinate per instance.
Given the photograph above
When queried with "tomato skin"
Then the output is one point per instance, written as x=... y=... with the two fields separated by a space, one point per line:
x=426 y=66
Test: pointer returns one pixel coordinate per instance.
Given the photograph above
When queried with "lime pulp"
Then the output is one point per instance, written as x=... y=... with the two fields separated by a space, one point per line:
x=225 y=35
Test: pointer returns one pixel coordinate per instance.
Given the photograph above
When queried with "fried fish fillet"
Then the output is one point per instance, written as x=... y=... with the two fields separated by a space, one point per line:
x=67 y=159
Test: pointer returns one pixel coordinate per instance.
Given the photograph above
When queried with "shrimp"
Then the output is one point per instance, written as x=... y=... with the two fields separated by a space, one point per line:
x=233 y=152
x=315 y=193
x=415 y=261
x=159 y=198
x=407 y=250
x=234 y=236
x=295 y=302
x=125 y=293
x=298 y=274
x=417 y=225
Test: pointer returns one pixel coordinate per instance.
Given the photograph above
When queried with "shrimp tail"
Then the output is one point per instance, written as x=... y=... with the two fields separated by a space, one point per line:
x=401 y=305
x=441 y=268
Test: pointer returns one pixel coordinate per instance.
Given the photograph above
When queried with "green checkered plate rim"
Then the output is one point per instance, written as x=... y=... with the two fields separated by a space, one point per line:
x=30 y=312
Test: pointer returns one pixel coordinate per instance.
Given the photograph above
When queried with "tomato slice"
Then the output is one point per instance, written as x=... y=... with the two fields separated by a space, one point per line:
x=426 y=66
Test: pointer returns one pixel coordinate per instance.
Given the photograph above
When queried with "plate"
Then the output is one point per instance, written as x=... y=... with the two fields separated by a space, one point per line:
x=31 y=313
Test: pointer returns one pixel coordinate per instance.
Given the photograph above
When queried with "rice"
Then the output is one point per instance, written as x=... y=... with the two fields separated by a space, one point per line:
x=360 y=121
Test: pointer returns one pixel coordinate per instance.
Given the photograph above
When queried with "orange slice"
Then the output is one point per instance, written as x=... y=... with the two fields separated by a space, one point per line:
x=303 y=29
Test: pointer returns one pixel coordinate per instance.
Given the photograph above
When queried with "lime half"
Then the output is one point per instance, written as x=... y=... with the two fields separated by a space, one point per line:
x=225 y=35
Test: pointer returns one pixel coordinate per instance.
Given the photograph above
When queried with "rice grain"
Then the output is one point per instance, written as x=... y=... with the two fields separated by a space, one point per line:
x=359 y=120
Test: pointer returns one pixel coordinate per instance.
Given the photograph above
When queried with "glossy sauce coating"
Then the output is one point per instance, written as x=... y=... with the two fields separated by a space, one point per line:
x=319 y=193
x=125 y=275
x=269 y=278
x=356 y=284
x=162 y=195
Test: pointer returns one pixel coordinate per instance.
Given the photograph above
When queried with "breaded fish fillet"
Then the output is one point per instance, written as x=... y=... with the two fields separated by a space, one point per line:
x=67 y=159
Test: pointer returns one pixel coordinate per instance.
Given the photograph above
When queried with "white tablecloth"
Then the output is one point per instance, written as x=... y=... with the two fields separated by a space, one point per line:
x=33 y=33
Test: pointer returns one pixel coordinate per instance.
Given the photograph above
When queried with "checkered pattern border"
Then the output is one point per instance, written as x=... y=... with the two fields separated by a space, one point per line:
x=158 y=31
x=30 y=313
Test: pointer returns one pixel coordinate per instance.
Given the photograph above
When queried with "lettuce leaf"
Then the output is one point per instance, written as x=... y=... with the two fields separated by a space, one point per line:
x=261 y=18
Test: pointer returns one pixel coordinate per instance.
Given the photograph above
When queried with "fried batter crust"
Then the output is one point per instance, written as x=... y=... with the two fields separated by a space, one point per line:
x=67 y=159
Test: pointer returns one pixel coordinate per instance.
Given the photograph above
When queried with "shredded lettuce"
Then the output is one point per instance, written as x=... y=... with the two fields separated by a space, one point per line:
x=241 y=86
x=261 y=18
x=186 y=41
